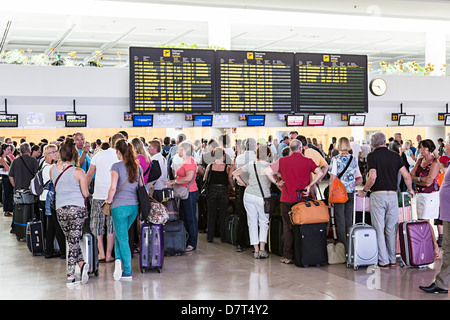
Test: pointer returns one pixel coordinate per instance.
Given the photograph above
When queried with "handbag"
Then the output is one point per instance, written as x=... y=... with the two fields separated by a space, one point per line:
x=310 y=211
x=106 y=207
x=155 y=171
x=335 y=249
x=269 y=202
x=182 y=192
x=337 y=190
x=143 y=200
x=205 y=187
x=158 y=212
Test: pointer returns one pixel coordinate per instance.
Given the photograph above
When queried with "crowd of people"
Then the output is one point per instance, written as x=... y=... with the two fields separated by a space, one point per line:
x=219 y=173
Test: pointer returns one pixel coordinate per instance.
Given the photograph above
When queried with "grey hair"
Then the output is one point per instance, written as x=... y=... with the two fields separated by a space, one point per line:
x=377 y=139
x=25 y=148
x=188 y=147
x=295 y=145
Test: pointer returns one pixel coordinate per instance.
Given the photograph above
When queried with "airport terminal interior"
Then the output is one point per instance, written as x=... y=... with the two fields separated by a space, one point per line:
x=245 y=69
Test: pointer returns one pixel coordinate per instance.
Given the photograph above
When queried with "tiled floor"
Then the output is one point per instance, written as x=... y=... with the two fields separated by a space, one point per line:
x=215 y=271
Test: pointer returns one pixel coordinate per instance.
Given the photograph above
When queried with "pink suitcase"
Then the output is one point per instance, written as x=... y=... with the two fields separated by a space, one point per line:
x=416 y=242
x=408 y=215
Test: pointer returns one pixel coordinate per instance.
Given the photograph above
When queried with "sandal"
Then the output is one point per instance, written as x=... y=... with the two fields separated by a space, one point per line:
x=286 y=260
x=256 y=255
x=263 y=254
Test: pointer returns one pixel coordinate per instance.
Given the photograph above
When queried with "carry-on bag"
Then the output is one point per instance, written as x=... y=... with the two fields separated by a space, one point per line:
x=151 y=255
x=335 y=249
x=24 y=196
x=23 y=213
x=416 y=242
x=232 y=223
x=309 y=211
x=89 y=248
x=175 y=238
x=310 y=244
x=362 y=243
x=275 y=235
x=35 y=241
x=171 y=204
x=404 y=214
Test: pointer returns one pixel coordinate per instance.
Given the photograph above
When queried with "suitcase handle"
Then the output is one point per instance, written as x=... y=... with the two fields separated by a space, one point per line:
x=403 y=205
x=363 y=212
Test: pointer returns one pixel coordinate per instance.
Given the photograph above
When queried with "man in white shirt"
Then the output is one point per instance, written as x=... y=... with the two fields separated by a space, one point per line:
x=355 y=148
x=154 y=148
x=101 y=166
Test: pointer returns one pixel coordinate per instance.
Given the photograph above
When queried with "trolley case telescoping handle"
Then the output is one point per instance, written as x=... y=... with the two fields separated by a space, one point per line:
x=403 y=205
x=364 y=209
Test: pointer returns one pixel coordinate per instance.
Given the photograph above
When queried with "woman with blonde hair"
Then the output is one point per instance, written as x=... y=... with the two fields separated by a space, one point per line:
x=352 y=177
x=126 y=175
x=143 y=156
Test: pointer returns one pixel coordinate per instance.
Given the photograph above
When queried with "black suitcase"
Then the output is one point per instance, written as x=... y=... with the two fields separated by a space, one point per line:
x=35 y=238
x=275 y=235
x=175 y=238
x=310 y=244
x=23 y=214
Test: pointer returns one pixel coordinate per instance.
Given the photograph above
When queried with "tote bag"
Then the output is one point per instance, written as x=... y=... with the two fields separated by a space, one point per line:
x=338 y=192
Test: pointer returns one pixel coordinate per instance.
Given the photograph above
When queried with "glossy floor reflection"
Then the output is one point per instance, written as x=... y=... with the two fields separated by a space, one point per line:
x=214 y=271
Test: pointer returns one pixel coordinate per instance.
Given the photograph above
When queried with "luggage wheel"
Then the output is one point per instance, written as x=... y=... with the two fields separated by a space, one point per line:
x=142 y=270
x=96 y=273
x=159 y=270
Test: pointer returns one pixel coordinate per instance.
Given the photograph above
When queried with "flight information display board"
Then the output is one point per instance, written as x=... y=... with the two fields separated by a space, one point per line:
x=252 y=81
x=171 y=80
x=334 y=83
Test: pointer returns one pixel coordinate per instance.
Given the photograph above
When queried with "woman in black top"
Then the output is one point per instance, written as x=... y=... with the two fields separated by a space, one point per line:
x=6 y=159
x=218 y=198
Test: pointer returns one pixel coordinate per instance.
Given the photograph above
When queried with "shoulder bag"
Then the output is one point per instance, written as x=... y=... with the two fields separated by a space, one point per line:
x=269 y=202
x=182 y=192
x=144 y=201
x=309 y=211
x=337 y=191
x=205 y=187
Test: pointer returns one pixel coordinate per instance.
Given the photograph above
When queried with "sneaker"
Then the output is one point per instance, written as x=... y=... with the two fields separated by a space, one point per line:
x=189 y=248
x=383 y=266
x=84 y=273
x=117 y=270
x=263 y=254
x=126 y=276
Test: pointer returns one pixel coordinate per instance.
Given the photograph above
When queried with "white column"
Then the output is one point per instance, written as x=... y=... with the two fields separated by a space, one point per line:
x=434 y=133
x=435 y=51
x=219 y=33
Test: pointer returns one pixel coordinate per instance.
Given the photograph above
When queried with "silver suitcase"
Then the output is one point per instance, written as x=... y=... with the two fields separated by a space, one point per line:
x=362 y=243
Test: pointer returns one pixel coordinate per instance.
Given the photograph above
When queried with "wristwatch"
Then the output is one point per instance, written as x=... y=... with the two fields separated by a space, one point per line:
x=420 y=179
x=366 y=192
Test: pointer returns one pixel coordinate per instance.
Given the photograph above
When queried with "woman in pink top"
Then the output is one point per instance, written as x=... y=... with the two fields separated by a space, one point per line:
x=185 y=176
x=143 y=157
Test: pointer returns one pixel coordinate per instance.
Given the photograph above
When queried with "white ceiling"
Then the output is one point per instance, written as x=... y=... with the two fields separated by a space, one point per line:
x=384 y=30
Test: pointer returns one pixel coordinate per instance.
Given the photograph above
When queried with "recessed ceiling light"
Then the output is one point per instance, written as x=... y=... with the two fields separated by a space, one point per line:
x=160 y=29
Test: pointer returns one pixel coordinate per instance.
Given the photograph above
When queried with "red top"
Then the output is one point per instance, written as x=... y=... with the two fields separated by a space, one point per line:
x=188 y=165
x=296 y=171
x=424 y=172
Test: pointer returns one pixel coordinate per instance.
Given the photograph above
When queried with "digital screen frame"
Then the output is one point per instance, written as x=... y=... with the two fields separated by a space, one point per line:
x=406 y=120
x=256 y=120
x=80 y=120
x=143 y=120
x=203 y=120
x=356 y=120
x=316 y=120
x=295 y=120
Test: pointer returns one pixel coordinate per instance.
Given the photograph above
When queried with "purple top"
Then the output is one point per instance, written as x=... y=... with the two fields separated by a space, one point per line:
x=444 y=198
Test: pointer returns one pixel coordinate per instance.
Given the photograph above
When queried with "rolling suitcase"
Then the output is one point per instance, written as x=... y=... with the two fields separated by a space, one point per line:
x=404 y=214
x=362 y=244
x=89 y=249
x=416 y=243
x=151 y=254
x=23 y=213
x=35 y=241
x=175 y=238
x=171 y=204
x=310 y=244
x=362 y=206
x=275 y=234
x=232 y=223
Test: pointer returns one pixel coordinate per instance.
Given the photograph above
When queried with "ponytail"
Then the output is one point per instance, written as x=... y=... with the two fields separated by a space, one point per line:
x=129 y=159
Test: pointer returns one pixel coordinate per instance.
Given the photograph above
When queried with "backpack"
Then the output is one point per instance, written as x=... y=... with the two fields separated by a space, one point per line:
x=37 y=184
